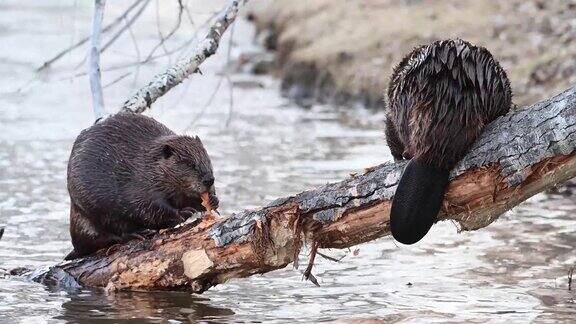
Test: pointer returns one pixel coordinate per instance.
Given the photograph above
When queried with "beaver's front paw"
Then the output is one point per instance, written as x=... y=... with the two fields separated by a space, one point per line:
x=147 y=233
x=186 y=213
x=175 y=219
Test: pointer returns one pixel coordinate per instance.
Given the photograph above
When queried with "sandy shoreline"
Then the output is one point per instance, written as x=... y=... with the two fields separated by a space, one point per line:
x=342 y=52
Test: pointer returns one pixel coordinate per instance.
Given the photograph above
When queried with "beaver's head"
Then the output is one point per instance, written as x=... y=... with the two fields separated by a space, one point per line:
x=184 y=165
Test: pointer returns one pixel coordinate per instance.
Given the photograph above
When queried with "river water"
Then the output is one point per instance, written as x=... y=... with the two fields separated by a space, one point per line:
x=262 y=148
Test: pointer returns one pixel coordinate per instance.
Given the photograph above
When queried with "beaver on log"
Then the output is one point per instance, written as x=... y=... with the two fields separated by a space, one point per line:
x=440 y=98
x=130 y=174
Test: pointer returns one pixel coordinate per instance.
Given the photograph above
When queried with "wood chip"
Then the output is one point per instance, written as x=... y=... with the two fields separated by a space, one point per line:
x=206 y=202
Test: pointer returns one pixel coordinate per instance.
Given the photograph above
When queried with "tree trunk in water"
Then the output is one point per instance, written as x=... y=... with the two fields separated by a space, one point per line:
x=518 y=155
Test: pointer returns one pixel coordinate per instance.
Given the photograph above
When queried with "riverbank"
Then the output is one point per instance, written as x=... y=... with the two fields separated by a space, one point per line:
x=342 y=52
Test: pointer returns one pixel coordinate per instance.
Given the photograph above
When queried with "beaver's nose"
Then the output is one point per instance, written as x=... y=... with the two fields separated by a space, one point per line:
x=208 y=181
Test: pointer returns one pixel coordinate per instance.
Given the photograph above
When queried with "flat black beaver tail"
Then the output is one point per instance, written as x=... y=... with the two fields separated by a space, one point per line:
x=417 y=201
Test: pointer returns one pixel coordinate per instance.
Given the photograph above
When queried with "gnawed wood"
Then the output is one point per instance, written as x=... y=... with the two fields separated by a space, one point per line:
x=518 y=155
x=196 y=263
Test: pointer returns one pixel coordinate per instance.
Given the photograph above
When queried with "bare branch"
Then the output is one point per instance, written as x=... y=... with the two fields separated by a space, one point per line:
x=163 y=82
x=179 y=48
x=85 y=39
x=164 y=39
x=126 y=26
x=112 y=40
x=94 y=64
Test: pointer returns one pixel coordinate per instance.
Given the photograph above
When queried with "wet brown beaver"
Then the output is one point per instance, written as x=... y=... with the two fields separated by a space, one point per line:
x=128 y=174
x=440 y=97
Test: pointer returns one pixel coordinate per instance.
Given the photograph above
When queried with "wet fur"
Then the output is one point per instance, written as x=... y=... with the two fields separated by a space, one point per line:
x=130 y=173
x=440 y=98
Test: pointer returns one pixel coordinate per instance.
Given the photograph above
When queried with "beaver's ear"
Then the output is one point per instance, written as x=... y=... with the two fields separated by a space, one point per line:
x=167 y=151
x=198 y=139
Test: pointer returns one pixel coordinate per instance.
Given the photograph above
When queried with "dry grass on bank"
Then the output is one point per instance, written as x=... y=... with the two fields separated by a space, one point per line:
x=346 y=49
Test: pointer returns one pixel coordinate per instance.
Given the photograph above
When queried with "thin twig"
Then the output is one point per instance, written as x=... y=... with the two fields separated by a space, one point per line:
x=206 y=105
x=308 y=272
x=118 y=79
x=126 y=26
x=137 y=50
x=172 y=31
x=74 y=16
x=218 y=85
x=158 y=29
x=230 y=100
x=327 y=257
x=94 y=64
x=85 y=39
x=189 y=14
x=164 y=82
x=230 y=84
x=118 y=33
x=127 y=65
x=180 y=48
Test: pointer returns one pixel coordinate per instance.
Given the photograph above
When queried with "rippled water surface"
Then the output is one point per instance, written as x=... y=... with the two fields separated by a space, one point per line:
x=513 y=271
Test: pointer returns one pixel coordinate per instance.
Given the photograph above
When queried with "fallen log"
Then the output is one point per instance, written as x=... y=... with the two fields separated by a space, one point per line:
x=519 y=155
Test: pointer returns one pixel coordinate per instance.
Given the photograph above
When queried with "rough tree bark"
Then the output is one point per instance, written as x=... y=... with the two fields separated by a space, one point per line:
x=518 y=155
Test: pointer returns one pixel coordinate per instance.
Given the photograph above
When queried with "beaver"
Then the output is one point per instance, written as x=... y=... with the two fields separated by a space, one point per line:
x=440 y=98
x=130 y=174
